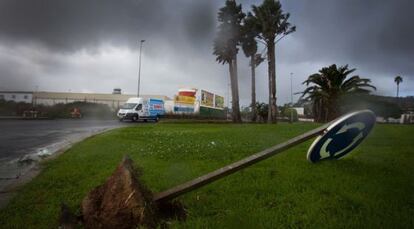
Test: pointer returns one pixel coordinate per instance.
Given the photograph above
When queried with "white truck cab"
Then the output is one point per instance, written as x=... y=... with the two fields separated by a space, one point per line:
x=141 y=109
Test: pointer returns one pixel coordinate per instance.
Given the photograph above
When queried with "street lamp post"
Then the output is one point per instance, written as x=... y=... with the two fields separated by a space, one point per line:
x=139 y=68
x=34 y=96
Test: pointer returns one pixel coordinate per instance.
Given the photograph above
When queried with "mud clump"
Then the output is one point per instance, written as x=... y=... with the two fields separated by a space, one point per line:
x=121 y=202
x=124 y=202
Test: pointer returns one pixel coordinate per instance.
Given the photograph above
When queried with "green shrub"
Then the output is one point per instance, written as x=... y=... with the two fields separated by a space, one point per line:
x=60 y=110
x=290 y=113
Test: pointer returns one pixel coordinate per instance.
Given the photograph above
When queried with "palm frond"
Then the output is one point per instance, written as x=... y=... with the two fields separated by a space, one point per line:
x=328 y=85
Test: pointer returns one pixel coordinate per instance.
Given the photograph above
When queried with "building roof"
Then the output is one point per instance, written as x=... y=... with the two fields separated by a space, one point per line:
x=82 y=96
x=91 y=96
x=17 y=92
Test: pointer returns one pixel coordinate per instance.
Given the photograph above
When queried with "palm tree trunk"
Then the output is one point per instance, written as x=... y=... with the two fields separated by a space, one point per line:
x=318 y=111
x=398 y=89
x=269 y=113
x=236 y=79
x=314 y=111
x=272 y=81
x=333 y=111
x=253 y=66
x=274 y=104
x=236 y=117
x=232 y=90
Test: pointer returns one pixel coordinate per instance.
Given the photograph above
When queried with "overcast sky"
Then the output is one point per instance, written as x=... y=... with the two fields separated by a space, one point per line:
x=93 y=45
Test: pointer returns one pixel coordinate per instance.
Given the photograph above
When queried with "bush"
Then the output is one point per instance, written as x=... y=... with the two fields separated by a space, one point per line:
x=60 y=110
x=88 y=110
x=289 y=113
x=262 y=111
x=192 y=117
x=10 y=108
x=381 y=106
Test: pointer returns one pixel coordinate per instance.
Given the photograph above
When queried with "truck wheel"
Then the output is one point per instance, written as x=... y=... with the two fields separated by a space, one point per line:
x=157 y=119
x=135 y=118
x=121 y=119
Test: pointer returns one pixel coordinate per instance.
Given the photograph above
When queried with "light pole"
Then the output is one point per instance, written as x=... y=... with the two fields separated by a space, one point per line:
x=34 y=96
x=291 y=97
x=139 y=68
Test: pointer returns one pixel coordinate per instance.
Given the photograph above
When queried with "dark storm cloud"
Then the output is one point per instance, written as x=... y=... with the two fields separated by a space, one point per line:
x=200 y=21
x=378 y=34
x=375 y=34
x=10 y=65
x=51 y=40
x=53 y=37
x=84 y=24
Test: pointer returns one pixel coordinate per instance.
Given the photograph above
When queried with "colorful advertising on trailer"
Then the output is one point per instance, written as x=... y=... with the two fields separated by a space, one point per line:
x=185 y=101
x=207 y=99
x=219 y=102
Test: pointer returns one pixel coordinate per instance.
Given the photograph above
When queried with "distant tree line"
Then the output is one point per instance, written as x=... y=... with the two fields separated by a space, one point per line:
x=386 y=107
x=60 y=110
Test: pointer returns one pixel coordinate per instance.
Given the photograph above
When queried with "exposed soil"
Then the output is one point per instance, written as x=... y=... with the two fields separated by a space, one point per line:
x=124 y=202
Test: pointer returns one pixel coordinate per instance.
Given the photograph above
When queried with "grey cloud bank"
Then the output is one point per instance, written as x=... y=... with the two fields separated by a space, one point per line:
x=92 y=45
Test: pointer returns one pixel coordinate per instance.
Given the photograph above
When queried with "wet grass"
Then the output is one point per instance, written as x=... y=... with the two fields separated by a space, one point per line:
x=373 y=187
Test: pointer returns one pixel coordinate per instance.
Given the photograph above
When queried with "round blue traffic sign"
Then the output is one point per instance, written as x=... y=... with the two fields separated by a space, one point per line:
x=342 y=136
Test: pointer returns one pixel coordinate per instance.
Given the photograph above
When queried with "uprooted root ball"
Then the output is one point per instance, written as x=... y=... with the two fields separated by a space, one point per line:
x=124 y=202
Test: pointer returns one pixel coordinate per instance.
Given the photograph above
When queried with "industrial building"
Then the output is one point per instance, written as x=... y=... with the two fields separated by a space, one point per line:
x=114 y=100
x=17 y=96
x=187 y=102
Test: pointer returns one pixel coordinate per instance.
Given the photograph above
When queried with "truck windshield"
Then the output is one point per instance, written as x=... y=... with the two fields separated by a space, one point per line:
x=128 y=105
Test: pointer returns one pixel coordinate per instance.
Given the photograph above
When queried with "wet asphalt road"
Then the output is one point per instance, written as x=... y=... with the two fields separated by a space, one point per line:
x=22 y=140
x=21 y=137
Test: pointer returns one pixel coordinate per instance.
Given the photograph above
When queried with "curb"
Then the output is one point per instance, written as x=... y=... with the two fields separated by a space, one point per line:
x=9 y=190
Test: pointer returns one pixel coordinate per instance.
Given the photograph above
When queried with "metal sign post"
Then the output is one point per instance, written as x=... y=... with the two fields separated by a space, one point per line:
x=349 y=125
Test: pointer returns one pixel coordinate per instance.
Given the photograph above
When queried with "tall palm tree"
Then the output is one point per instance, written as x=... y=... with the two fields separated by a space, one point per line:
x=271 y=24
x=325 y=89
x=225 y=47
x=249 y=46
x=398 y=80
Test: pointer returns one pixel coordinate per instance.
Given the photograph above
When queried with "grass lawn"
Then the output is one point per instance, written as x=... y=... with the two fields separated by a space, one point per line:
x=373 y=187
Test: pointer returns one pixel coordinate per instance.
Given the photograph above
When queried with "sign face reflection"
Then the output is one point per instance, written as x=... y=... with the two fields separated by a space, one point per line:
x=342 y=136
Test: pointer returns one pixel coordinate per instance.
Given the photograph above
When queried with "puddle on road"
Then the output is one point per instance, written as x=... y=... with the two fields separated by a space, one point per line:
x=11 y=171
x=18 y=167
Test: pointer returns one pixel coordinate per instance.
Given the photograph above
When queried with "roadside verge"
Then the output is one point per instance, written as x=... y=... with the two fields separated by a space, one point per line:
x=18 y=172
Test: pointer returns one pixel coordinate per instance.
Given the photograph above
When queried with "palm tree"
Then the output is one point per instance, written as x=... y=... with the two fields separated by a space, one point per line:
x=398 y=80
x=249 y=46
x=271 y=24
x=225 y=47
x=325 y=89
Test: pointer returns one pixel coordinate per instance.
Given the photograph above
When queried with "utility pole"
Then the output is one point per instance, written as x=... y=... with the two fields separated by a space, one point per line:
x=139 y=68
